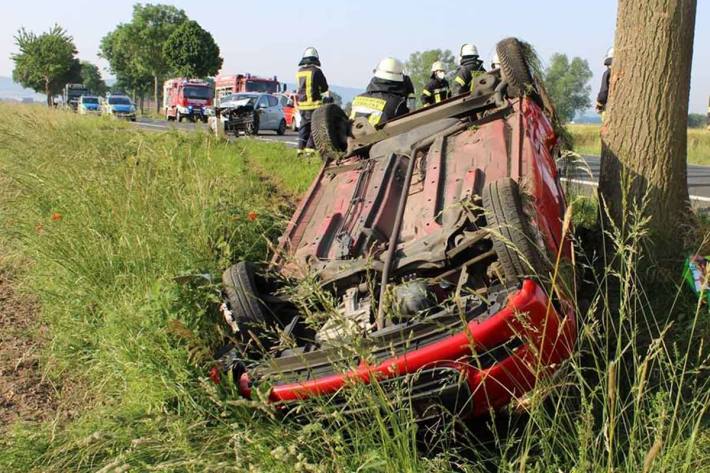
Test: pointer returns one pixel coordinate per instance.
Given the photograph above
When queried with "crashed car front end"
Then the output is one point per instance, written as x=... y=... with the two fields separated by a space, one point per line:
x=236 y=117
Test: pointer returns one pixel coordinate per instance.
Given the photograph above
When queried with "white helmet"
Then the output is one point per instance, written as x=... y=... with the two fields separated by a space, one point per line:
x=468 y=49
x=438 y=66
x=495 y=62
x=310 y=52
x=390 y=69
x=609 y=54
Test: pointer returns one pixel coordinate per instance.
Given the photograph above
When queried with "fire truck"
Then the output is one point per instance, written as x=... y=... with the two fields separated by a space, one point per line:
x=232 y=84
x=186 y=98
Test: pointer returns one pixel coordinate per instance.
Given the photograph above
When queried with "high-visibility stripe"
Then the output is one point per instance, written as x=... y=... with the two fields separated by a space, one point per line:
x=426 y=92
x=369 y=107
x=459 y=80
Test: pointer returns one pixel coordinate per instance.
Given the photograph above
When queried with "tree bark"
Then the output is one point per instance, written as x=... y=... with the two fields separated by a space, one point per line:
x=155 y=94
x=50 y=102
x=644 y=135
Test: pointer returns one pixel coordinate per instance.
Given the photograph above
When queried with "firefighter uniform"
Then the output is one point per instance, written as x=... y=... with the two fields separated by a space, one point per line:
x=386 y=95
x=438 y=87
x=312 y=87
x=470 y=68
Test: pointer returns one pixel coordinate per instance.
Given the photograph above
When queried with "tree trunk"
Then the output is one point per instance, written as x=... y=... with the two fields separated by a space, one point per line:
x=155 y=94
x=50 y=102
x=644 y=135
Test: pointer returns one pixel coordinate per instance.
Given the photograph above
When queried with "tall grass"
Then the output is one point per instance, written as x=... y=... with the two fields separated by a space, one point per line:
x=587 y=142
x=110 y=217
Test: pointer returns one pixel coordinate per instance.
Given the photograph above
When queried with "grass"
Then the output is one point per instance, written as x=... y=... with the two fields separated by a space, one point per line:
x=587 y=142
x=109 y=216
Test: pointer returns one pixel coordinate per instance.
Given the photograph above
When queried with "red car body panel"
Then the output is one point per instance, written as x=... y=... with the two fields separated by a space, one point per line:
x=528 y=315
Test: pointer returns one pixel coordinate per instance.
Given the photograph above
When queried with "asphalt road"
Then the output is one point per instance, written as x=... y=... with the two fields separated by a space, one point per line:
x=698 y=176
x=698 y=180
x=289 y=139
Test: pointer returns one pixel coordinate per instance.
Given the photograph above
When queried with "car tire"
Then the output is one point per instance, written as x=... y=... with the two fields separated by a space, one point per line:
x=518 y=253
x=330 y=128
x=282 y=128
x=241 y=294
x=515 y=69
x=253 y=128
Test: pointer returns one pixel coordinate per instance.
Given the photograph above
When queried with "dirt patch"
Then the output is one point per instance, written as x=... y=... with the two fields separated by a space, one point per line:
x=25 y=394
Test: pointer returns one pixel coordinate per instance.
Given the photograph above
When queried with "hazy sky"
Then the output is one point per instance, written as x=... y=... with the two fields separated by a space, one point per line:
x=268 y=37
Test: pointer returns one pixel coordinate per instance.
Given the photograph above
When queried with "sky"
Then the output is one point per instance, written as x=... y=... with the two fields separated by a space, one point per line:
x=268 y=37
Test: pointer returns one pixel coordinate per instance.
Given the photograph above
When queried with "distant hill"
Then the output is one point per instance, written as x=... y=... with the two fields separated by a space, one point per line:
x=10 y=89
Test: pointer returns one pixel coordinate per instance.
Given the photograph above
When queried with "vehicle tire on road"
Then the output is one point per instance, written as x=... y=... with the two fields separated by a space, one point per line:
x=514 y=67
x=239 y=285
x=518 y=253
x=282 y=128
x=330 y=128
x=252 y=129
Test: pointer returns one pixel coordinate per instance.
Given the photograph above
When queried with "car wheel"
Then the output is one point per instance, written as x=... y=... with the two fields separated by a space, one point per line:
x=514 y=67
x=242 y=296
x=518 y=253
x=282 y=128
x=330 y=128
x=253 y=128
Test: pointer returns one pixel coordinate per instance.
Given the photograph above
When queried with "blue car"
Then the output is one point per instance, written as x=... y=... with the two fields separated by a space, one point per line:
x=119 y=106
x=88 y=105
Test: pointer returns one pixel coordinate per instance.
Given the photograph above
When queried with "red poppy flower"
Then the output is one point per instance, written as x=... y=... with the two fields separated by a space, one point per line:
x=215 y=376
x=56 y=216
x=251 y=216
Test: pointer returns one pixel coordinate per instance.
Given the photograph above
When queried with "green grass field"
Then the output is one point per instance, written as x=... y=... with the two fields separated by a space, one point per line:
x=98 y=219
x=587 y=142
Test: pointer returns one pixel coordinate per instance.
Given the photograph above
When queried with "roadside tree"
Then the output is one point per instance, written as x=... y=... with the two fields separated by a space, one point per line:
x=45 y=63
x=644 y=134
x=567 y=82
x=91 y=78
x=190 y=51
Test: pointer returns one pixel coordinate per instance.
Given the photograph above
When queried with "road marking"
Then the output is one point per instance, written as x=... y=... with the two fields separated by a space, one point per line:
x=272 y=140
x=699 y=198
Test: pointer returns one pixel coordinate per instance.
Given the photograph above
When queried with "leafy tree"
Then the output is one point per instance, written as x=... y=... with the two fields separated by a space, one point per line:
x=190 y=51
x=568 y=85
x=91 y=78
x=116 y=47
x=418 y=66
x=46 y=62
x=136 y=48
x=697 y=120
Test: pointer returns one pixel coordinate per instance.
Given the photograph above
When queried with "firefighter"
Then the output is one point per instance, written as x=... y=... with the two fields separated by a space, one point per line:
x=603 y=95
x=470 y=68
x=312 y=89
x=386 y=95
x=438 y=87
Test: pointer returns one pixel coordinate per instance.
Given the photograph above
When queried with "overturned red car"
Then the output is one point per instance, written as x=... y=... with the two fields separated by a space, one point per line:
x=426 y=251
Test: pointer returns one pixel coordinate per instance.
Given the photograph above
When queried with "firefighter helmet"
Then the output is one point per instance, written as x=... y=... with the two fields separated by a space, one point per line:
x=310 y=56
x=438 y=66
x=468 y=49
x=390 y=69
x=495 y=62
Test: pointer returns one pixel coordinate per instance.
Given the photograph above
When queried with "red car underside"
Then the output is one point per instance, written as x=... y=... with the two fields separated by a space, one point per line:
x=518 y=144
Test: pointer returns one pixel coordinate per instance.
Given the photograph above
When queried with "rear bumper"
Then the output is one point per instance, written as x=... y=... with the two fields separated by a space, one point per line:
x=499 y=357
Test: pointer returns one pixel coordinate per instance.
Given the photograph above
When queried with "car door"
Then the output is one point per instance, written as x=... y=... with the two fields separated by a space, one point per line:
x=262 y=108
x=276 y=111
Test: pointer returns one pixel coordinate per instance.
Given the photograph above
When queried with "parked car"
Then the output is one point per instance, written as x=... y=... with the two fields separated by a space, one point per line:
x=421 y=257
x=88 y=105
x=119 y=106
x=289 y=103
x=71 y=95
x=250 y=113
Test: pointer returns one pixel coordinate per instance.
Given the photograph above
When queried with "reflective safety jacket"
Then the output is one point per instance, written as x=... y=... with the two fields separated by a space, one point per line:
x=383 y=100
x=470 y=68
x=435 y=91
x=311 y=87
